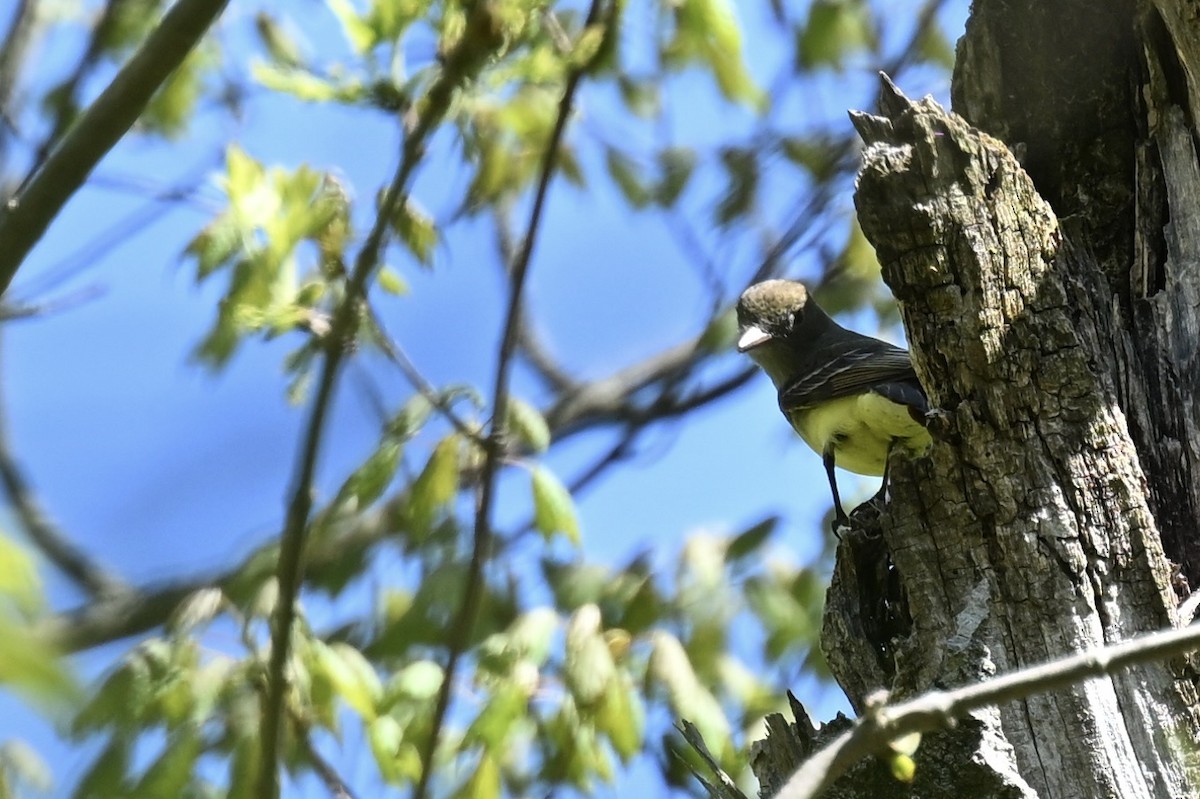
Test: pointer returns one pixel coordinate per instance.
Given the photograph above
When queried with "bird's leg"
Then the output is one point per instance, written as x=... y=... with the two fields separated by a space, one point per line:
x=880 y=497
x=840 y=519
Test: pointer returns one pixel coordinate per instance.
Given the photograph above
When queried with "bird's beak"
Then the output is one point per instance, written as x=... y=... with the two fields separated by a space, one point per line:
x=751 y=337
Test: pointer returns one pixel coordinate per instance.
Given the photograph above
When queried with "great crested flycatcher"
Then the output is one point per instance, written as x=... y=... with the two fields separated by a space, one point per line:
x=852 y=398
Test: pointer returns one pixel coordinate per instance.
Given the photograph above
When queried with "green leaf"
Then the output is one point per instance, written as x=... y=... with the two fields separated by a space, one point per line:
x=677 y=165
x=171 y=772
x=749 y=541
x=420 y=681
x=369 y=481
x=20 y=763
x=357 y=31
x=411 y=418
x=416 y=230
x=643 y=97
x=484 y=782
x=816 y=155
x=436 y=486
x=532 y=633
x=554 y=509
x=933 y=47
x=172 y=106
x=721 y=333
x=19 y=582
x=33 y=667
x=196 y=610
x=622 y=718
x=834 y=30
x=106 y=776
x=496 y=720
x=707 y=31
x=385 y=736
x=576 y=584
x=627 y=175
x=352 y=675
x=687 y=696
x=277 y=41
x=527 y=424
x=244 y=767
x=391 y=282
x=742 y=171
x=589 y=667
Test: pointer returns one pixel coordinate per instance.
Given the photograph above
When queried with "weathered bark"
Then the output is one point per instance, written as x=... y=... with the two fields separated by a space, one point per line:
x=1053 y=312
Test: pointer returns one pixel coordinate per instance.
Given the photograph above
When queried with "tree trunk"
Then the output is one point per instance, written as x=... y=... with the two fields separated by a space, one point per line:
x=1053 y=311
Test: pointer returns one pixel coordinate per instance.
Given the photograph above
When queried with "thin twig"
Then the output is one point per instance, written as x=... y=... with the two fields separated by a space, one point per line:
x=37 y=203
x=458 y=66
x=55 y=545
x=399 y=358
x=937 y=709
x=333 y=781
x=464 y=621
x=12 y=59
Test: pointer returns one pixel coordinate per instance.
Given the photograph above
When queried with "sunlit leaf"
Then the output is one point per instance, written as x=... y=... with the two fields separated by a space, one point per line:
x=420 y=681
x=622 y=718
x=352 y=676
x=19 y=763
x=368 y=482
x=391 y=281
x=32 y=667
x=589 y=665
x=708 y=32
x=527 y=425
x=688 y=697
x=19 y=581
x=416 y=230
x=502 y=709
x=484 y=782
x=171 y=771
x=435 y=487
x=384 y=734
x=554 y=509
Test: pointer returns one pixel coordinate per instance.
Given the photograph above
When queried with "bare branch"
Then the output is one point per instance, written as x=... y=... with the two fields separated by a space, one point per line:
x=938 y=709
x=337 y=787
x=29 y=213
x=45 y=534
x=396 y=354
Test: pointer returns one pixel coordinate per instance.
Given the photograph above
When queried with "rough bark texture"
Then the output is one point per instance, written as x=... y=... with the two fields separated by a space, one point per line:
x=1053 y=311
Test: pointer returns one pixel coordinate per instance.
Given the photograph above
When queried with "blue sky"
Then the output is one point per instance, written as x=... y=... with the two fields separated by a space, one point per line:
x=159 y=468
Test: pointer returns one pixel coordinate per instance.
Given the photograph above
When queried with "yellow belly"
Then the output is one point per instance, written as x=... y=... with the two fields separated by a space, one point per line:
x=860 y=430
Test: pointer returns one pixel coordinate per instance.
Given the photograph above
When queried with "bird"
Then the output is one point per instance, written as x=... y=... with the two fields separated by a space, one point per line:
x=852 y=398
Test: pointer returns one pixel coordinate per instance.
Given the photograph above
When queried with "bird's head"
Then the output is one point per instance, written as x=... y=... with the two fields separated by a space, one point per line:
x=771 y=311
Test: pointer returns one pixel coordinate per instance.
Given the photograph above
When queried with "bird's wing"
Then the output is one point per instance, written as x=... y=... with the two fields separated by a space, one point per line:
x=876 y=366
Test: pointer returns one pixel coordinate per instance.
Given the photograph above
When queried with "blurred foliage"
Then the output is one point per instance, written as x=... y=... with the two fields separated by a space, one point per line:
x=573 y=669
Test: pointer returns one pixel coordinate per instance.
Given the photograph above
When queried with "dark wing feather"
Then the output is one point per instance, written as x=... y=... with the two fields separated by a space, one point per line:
x=865 y=365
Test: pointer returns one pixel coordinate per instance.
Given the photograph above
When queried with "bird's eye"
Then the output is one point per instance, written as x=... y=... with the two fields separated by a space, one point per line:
x=791 y=320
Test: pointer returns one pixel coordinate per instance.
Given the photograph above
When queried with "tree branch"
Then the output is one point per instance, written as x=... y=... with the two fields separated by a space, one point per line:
x=939 y=709
x=462 y=62
x=37 y=203
x=464 y=621
x=46 y=535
